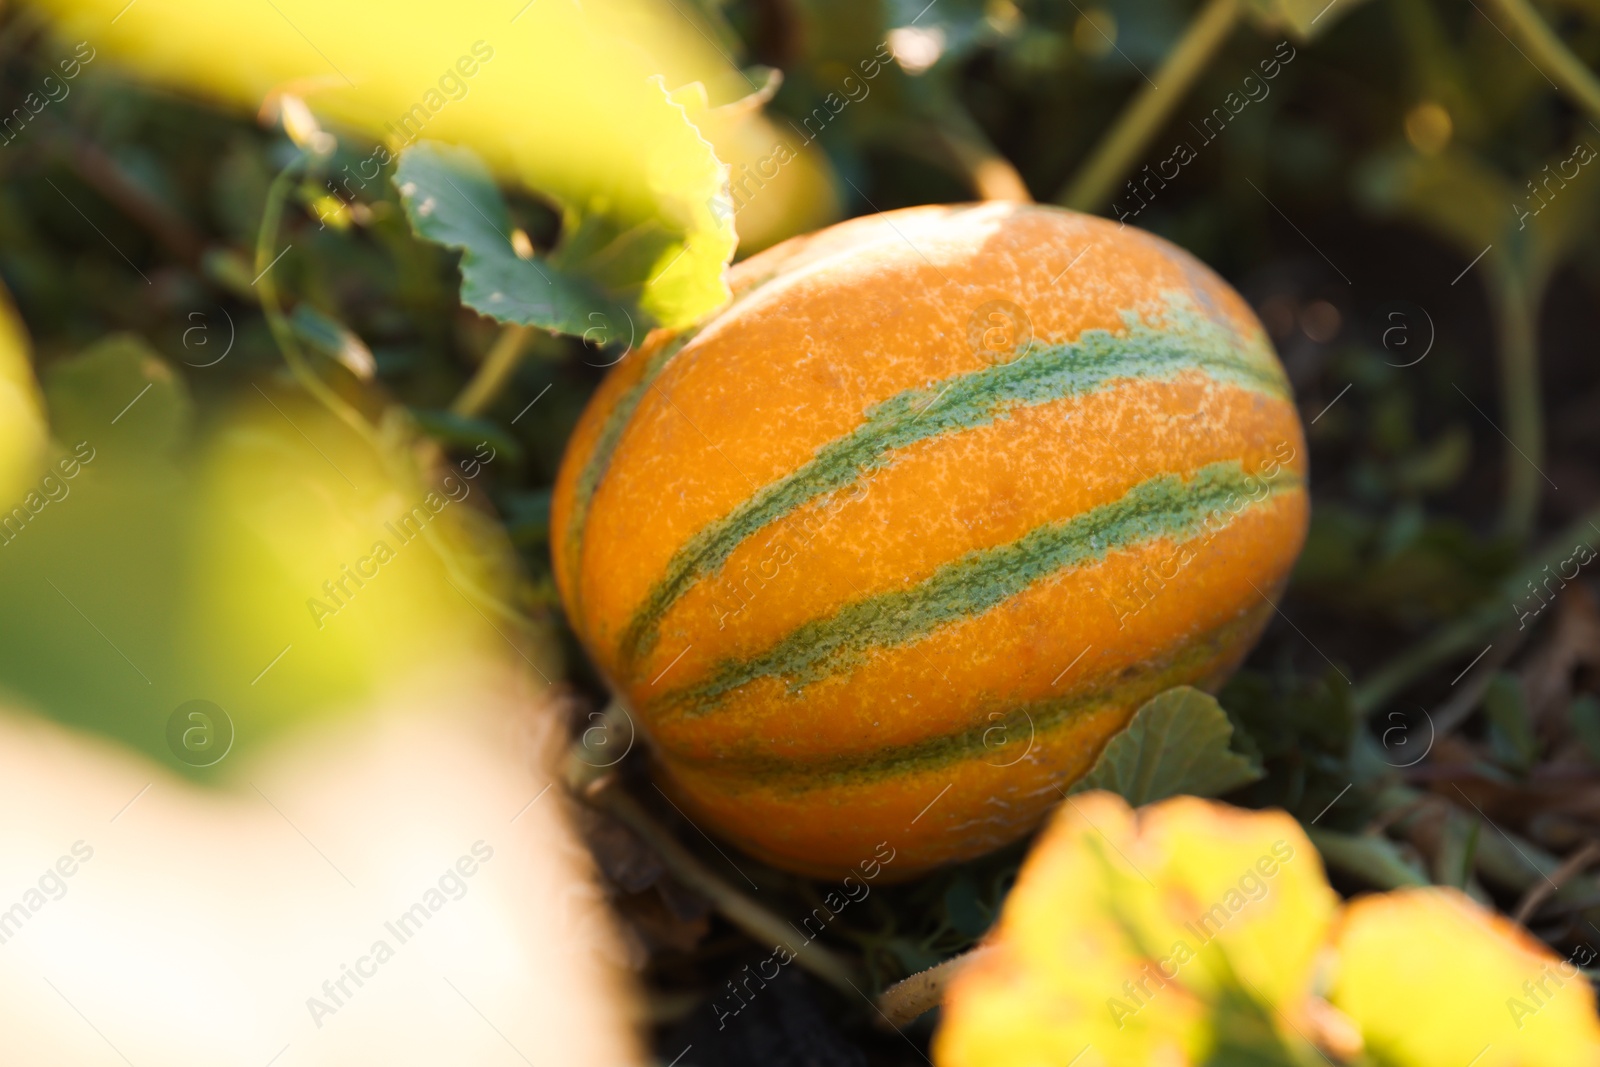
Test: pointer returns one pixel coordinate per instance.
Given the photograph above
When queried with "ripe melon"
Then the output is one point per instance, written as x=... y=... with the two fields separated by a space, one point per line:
x=888 y=549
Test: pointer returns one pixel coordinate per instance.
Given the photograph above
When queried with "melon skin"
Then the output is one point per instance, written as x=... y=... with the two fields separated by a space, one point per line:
x=887 y=550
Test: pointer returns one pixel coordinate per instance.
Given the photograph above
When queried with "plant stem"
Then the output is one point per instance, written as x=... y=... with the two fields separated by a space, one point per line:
x=1497 y=612
x=991 y=175
x=1143 y=118
x=108 y=177
x=1554 y=59
x=1444 y=644
x=746 y=914
x=1544 y=889
x=1519 y=382
x=396 y=462
x=905 y=1001
x=267 y=288
x=498 y=365
x=1375 y=860
x=1506 y=859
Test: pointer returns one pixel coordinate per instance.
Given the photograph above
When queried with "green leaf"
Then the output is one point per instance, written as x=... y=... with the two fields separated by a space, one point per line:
x=120 y=392
x=1304 y=20
x=451 y=199
x=1510 y=730
x=1177 y=742
x=1527 y=231
x=1453 y=194
x=334 y=340
x=527 y=517
x=1585 y=714
x=962 y=908
x=1372 y=858
x=467 y=431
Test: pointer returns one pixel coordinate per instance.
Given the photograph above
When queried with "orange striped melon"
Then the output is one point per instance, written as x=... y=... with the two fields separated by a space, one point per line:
x=886 y=551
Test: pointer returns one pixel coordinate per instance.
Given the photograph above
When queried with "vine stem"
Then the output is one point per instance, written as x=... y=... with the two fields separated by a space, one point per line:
x=501 y=362
x=755 y=920
x=991 y=174
x=1504 y=858
x=1376 y=860
x=1566 y=70
x=272 y=307
x=1142 y=119
x=395 y=464
x=1496 y=613
x=1519 y=382
x=1536 y=895
x=906 y=1000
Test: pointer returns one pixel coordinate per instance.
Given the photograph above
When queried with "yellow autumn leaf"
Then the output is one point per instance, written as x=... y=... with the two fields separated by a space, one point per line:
x=22 y=432
x=777 y=189
x=571 y=100
x=1168 y=936
x=358 y=566
x=1434 y=980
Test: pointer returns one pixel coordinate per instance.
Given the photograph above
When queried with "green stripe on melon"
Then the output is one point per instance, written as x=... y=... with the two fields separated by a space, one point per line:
x=1034 y=719
x=1163 y=506
x=621 y=414
x=1180 y=340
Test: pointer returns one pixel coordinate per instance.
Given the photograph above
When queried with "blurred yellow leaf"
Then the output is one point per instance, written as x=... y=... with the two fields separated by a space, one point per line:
x=276 y=564
x=22 y=432
x=322 y=569
x=780 y=186
x=120 y=378
x=566 y=98
x=1304 y=20
x=1434 y=980
x=1190 y=933
x=1173 y=935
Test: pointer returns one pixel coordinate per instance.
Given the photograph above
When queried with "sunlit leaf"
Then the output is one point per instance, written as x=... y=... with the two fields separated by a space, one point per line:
x=333 y=339
x=122 y=398
x=451 y=199
x=1177 y=742
x=572 y=101
x=1432 y=979
x=1303 y=20
x=1185 y=933
x=780 y=183
x=22 y=432
x=1191 y=933
x=355 y=566
x=1528 y=230
x=1452 y=194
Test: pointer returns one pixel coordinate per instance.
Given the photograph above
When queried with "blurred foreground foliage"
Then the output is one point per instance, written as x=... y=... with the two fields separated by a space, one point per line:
x=1219 y=940
x=1405 y=200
